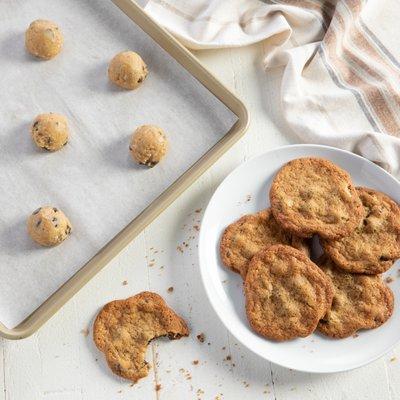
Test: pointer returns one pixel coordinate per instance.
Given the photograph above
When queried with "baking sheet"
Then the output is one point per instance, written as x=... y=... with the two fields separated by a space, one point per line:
x=92 y=179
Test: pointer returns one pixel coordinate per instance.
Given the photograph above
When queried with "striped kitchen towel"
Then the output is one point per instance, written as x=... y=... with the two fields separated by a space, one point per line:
x=341 y=60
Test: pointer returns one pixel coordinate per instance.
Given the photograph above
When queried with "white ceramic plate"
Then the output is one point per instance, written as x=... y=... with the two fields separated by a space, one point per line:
x=244 y=191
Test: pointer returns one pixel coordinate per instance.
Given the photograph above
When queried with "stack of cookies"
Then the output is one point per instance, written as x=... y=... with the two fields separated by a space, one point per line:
x=290 y=295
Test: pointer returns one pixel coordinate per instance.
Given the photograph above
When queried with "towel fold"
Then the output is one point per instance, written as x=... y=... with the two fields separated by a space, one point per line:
x=341 y=60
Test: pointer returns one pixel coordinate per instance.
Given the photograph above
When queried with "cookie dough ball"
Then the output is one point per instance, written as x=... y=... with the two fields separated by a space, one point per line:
x=148 y=145
x=50 y=131
x=127 y=69
x=43 y=39
x=48 y=226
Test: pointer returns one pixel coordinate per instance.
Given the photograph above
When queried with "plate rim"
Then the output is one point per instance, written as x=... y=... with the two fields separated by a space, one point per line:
x=212 y=299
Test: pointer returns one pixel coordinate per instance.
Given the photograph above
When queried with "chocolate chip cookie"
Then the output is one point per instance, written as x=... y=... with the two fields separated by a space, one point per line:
x=360 y=302
x=124 y=328
x=286 y=293
x=314 y=196
x=374 y=245
x=251 y=233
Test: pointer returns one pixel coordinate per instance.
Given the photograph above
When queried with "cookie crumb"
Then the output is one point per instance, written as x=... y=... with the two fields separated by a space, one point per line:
x=198 y=210
x=393 y=359
x=195 y=362
x=389 y=279
x=196 y=227
x=170 y=289
x=158 y=387
x=356 y=335
x=248 y=198
x=186 y=374
x=201 y=337
x=179 y=248
x=85 y=332
x=124 y=283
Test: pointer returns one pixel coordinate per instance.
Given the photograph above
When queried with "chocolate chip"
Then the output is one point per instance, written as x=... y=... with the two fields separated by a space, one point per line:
x=35 y=124
x=38 y=223
x=36 y=211
x=54 y=219
x=55 y=209
x=140 y=80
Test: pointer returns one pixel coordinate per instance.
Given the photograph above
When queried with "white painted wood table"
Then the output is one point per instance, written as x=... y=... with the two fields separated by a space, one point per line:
x=60 y=362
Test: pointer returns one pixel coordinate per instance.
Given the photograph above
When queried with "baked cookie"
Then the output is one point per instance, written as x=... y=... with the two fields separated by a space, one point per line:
x=148 y=145
x=250 y=234
x=43 y=39
x=314 y=196
x=286 y=293
x=48 y=226
x=50 y=131
x=375 y=244
x=360 y=302
x=127 y=70
x=124 y=328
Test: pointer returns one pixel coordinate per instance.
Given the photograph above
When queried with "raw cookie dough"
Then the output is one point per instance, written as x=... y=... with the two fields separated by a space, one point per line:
x=43 y=39
x=48 y=226
x=127 y=69
x=148 y=145
x=50 y=131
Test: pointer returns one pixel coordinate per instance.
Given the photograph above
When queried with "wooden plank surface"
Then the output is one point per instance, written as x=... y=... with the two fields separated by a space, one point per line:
x=60 y=362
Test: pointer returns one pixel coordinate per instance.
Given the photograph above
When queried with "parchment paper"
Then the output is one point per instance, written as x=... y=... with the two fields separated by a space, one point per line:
x=92 y=179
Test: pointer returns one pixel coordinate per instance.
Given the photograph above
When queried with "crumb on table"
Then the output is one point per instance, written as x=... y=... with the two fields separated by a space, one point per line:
x=85 y=332
x=201 y=337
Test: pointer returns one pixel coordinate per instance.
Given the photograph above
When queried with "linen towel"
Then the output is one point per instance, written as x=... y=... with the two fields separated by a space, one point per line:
x=341 y=60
